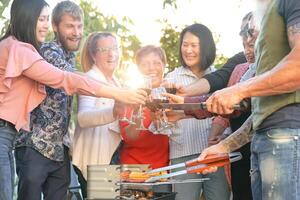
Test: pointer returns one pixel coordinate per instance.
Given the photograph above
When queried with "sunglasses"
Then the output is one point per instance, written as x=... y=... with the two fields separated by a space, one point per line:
x=250 y=32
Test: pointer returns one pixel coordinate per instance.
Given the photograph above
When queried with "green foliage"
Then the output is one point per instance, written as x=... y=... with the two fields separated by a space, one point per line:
x=3 y=21
x=172 y=3
x=220 y=57
x=220 y=60
x=94 y=20
x=170 y=43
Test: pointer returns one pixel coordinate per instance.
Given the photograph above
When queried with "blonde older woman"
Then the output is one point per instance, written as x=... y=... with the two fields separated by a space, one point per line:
x=97 y=132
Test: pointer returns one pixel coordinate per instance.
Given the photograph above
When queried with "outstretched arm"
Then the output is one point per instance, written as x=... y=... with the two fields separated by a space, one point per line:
x=283 y=78
x=214 y=81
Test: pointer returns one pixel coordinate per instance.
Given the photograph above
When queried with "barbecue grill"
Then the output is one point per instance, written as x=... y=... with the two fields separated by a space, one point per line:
x=103 y=182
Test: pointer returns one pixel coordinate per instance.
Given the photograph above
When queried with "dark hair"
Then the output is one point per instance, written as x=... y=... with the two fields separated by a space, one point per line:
x=24 y=15
x=207 y=44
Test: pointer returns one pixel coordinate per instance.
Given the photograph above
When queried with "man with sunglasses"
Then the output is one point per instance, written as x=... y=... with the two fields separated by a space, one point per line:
x=275 y=97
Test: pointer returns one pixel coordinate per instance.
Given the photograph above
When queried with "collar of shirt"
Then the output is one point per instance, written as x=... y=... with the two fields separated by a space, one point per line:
x=101 y=77
x=186 y=71
x=56 y=45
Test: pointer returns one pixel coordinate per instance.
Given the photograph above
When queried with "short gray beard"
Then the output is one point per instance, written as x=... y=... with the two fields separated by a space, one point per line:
x=259 y=13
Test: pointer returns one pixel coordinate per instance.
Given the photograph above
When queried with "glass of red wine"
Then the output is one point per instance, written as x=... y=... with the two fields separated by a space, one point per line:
x=146 y=85
x=163 y=127
x=170 y=85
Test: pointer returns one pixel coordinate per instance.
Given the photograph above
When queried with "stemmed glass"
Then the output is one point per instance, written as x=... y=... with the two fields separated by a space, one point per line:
x=127 y=112
x=125 y=118
x=157 y=98
x=147 y=86
x=169 y=84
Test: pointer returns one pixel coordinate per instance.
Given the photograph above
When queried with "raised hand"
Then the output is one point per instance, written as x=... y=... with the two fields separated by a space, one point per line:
x=132 y=96
x=174 y=98
x=223 y=101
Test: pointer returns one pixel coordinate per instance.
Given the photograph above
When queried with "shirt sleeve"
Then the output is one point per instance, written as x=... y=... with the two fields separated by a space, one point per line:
x=219 y=79
x=21 y=56
x=91 y=116
x=71 y=83
x=290 y=11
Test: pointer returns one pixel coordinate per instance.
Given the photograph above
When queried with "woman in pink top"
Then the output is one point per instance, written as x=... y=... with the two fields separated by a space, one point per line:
x=24 y=74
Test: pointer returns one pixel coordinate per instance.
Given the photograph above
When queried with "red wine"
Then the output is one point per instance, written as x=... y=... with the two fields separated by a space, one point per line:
x=171 y=90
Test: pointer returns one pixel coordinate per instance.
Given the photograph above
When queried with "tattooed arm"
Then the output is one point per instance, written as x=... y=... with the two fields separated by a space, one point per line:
x=283 y=78
x=240 y=137
x=236 y=140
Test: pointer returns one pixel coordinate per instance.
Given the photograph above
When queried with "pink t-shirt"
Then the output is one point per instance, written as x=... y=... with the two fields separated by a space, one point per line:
x=23 y=74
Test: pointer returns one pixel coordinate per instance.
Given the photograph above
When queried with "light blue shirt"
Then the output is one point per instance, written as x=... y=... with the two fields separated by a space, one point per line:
x=190 y=136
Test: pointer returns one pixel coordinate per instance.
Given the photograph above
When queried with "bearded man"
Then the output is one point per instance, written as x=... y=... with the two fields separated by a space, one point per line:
x=42 y=159
x=275 y=95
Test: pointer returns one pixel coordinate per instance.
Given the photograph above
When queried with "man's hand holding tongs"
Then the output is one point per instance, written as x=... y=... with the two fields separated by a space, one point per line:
x=215 y=149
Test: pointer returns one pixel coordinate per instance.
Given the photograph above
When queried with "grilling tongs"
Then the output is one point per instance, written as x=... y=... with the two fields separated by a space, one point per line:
x=195 y=166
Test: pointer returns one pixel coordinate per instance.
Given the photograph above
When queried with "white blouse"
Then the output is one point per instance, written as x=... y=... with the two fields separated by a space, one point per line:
x=97 y=134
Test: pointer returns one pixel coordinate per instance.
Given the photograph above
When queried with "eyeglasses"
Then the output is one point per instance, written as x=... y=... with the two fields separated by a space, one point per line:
x=107 y=49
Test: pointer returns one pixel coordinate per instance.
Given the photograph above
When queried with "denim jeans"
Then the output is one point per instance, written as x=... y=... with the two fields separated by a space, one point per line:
x=214 y=189
x=275 y=161
x=7 y=170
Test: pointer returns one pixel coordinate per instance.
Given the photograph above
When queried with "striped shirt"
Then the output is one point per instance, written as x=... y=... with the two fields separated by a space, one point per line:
x=191 y=135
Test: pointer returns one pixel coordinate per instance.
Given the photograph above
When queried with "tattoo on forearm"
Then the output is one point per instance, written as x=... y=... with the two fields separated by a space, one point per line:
x=240 y=137
x=293 y=34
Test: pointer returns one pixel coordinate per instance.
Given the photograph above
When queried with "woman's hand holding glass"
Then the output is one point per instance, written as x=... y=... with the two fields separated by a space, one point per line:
x=169 y=84
x=174 y=116
x=137 y=97
x=131 y=96
x=163 y=125
x=173 y=98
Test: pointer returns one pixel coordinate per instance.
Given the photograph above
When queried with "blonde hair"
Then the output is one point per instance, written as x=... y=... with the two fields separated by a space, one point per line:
x=66 y=7
x=90 y=48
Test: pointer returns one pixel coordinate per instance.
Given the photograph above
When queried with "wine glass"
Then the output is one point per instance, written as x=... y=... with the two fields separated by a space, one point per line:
x=145 y=85
x=127 y=112
x=170 y=85
x=163 y=126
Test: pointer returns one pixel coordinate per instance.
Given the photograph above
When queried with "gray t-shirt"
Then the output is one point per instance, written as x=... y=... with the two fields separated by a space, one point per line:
x=288 y=116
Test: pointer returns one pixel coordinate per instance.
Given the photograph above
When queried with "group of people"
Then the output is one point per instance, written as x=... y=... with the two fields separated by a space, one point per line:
x=37 y=83
x=38 y=80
